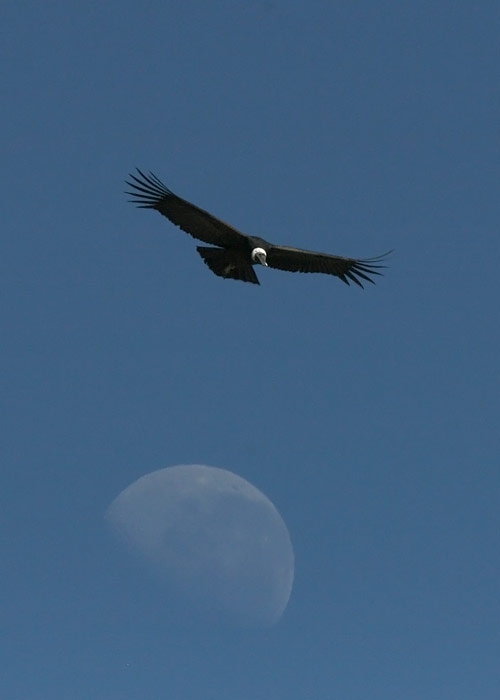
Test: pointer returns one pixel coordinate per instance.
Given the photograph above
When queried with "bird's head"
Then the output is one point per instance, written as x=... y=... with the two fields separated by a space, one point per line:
x=259 y=256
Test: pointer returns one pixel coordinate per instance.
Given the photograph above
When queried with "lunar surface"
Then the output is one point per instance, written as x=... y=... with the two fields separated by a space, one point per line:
x=215 y=539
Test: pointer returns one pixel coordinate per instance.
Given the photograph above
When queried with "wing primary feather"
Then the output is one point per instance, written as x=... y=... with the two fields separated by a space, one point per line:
x=149 y=190
x=353 y=278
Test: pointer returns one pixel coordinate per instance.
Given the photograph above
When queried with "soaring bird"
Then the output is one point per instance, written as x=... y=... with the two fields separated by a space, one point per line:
x=233 y=254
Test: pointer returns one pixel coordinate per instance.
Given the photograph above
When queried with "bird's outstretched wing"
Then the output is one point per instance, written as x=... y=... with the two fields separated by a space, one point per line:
x=150 y=193
x=298 y=260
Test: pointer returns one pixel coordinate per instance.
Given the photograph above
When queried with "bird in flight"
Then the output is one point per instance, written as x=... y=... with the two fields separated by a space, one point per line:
x=232 y=254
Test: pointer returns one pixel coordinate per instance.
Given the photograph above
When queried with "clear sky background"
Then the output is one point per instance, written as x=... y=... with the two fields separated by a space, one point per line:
x=370 y=418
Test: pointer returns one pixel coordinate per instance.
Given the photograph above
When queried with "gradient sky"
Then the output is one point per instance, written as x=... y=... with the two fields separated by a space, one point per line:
x=370 y=418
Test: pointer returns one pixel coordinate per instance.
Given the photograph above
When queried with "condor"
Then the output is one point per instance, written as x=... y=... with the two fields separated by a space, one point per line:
x=233 y=254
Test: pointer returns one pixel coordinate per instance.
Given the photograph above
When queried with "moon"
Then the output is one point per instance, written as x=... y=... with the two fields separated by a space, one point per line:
x=213 y=537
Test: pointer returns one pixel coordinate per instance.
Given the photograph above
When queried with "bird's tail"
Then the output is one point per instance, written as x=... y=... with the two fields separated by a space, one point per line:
x=228 y=263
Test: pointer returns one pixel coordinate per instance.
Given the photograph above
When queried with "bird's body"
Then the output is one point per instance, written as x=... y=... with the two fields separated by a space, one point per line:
x=232 y=254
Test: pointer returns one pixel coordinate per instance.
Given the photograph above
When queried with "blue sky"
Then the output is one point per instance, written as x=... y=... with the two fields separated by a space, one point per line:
x=370 y=418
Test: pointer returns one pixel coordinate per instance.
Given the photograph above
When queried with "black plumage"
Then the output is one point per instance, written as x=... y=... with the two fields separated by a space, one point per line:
x=235 y=254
